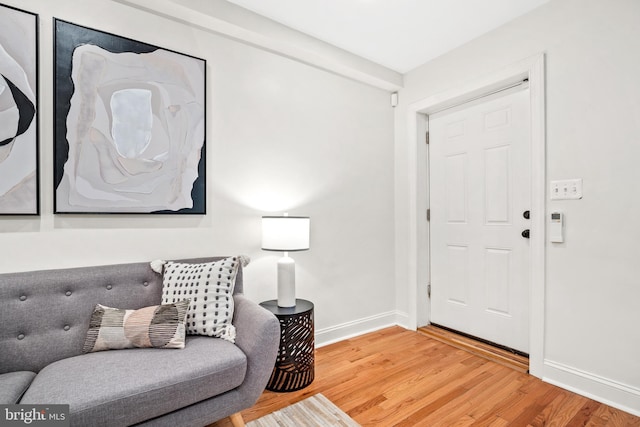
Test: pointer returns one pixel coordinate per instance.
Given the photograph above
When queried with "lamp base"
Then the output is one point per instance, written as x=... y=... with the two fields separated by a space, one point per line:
x=286 y=282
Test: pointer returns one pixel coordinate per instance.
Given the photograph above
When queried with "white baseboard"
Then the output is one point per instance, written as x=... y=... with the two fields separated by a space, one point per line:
x=362 y=326
x=609 y=392
x=402 y=319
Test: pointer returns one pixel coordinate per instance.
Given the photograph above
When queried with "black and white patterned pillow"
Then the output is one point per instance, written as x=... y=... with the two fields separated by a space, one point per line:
x=209 y=287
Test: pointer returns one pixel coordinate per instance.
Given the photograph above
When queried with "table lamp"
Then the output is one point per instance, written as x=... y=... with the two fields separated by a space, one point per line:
x=286 y=234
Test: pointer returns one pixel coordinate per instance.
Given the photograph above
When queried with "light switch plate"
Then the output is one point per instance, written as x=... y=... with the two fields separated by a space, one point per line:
x=567 y=189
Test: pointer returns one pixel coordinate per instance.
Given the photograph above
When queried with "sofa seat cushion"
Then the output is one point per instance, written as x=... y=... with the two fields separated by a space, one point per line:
x=124 y=387
x=13 y=385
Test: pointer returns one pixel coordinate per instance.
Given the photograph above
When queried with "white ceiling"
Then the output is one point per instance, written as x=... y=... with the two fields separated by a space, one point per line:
x=398 y=34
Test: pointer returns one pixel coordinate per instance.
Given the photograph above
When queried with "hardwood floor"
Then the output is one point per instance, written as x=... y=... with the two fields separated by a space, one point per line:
x=396 y=377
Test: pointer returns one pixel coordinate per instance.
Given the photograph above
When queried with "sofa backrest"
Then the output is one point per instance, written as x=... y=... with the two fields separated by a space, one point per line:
x=44 y=315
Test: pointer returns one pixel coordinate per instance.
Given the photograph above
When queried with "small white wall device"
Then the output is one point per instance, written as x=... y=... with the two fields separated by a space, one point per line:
x=394 y=99
x=556 y=229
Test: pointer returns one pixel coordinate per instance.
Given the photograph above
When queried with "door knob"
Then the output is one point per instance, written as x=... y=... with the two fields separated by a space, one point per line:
x=526 y=214
x=525 y=233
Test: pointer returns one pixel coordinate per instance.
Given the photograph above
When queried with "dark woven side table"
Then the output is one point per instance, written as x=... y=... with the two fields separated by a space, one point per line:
x=294 y=368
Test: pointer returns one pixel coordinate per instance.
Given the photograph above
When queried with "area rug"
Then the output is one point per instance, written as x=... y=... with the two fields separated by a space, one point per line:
x=314 y=411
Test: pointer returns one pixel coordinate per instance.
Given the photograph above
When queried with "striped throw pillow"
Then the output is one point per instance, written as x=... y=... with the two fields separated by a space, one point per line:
x=158 y=326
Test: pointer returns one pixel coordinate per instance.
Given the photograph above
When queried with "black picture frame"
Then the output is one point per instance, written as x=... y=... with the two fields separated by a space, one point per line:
x=106 y=86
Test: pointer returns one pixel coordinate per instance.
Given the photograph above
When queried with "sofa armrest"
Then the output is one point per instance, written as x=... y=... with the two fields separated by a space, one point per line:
x=258 y=336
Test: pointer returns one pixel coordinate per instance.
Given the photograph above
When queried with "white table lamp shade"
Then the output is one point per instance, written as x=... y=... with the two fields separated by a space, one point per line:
x=285 y=234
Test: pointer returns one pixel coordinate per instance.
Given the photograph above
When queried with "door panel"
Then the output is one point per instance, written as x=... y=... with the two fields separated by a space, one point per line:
x=458 y=265
x=498 y=202
x=479 y=187
x=456 y=188
x=498 y=265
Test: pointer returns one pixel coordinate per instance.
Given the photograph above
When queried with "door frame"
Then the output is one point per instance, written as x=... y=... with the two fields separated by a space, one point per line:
x=418 y=239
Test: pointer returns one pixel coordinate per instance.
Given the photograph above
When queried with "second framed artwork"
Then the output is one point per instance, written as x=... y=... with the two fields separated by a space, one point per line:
x=129 y=125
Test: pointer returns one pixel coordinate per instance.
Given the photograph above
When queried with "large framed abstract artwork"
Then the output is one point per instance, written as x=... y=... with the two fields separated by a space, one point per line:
x=129 y=125
x=19 y=177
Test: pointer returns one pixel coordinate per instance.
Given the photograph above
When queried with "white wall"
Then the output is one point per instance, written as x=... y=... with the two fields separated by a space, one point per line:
x=281 y=136
x=592 y=53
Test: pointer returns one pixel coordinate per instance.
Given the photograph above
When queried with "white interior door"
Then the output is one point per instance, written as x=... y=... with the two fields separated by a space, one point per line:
x=480 y=186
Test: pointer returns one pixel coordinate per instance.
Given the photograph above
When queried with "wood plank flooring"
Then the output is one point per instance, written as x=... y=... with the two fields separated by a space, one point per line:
x=396 y=377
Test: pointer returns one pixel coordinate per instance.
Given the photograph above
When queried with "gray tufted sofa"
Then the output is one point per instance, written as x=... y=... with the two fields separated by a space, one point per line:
x=44 y=317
